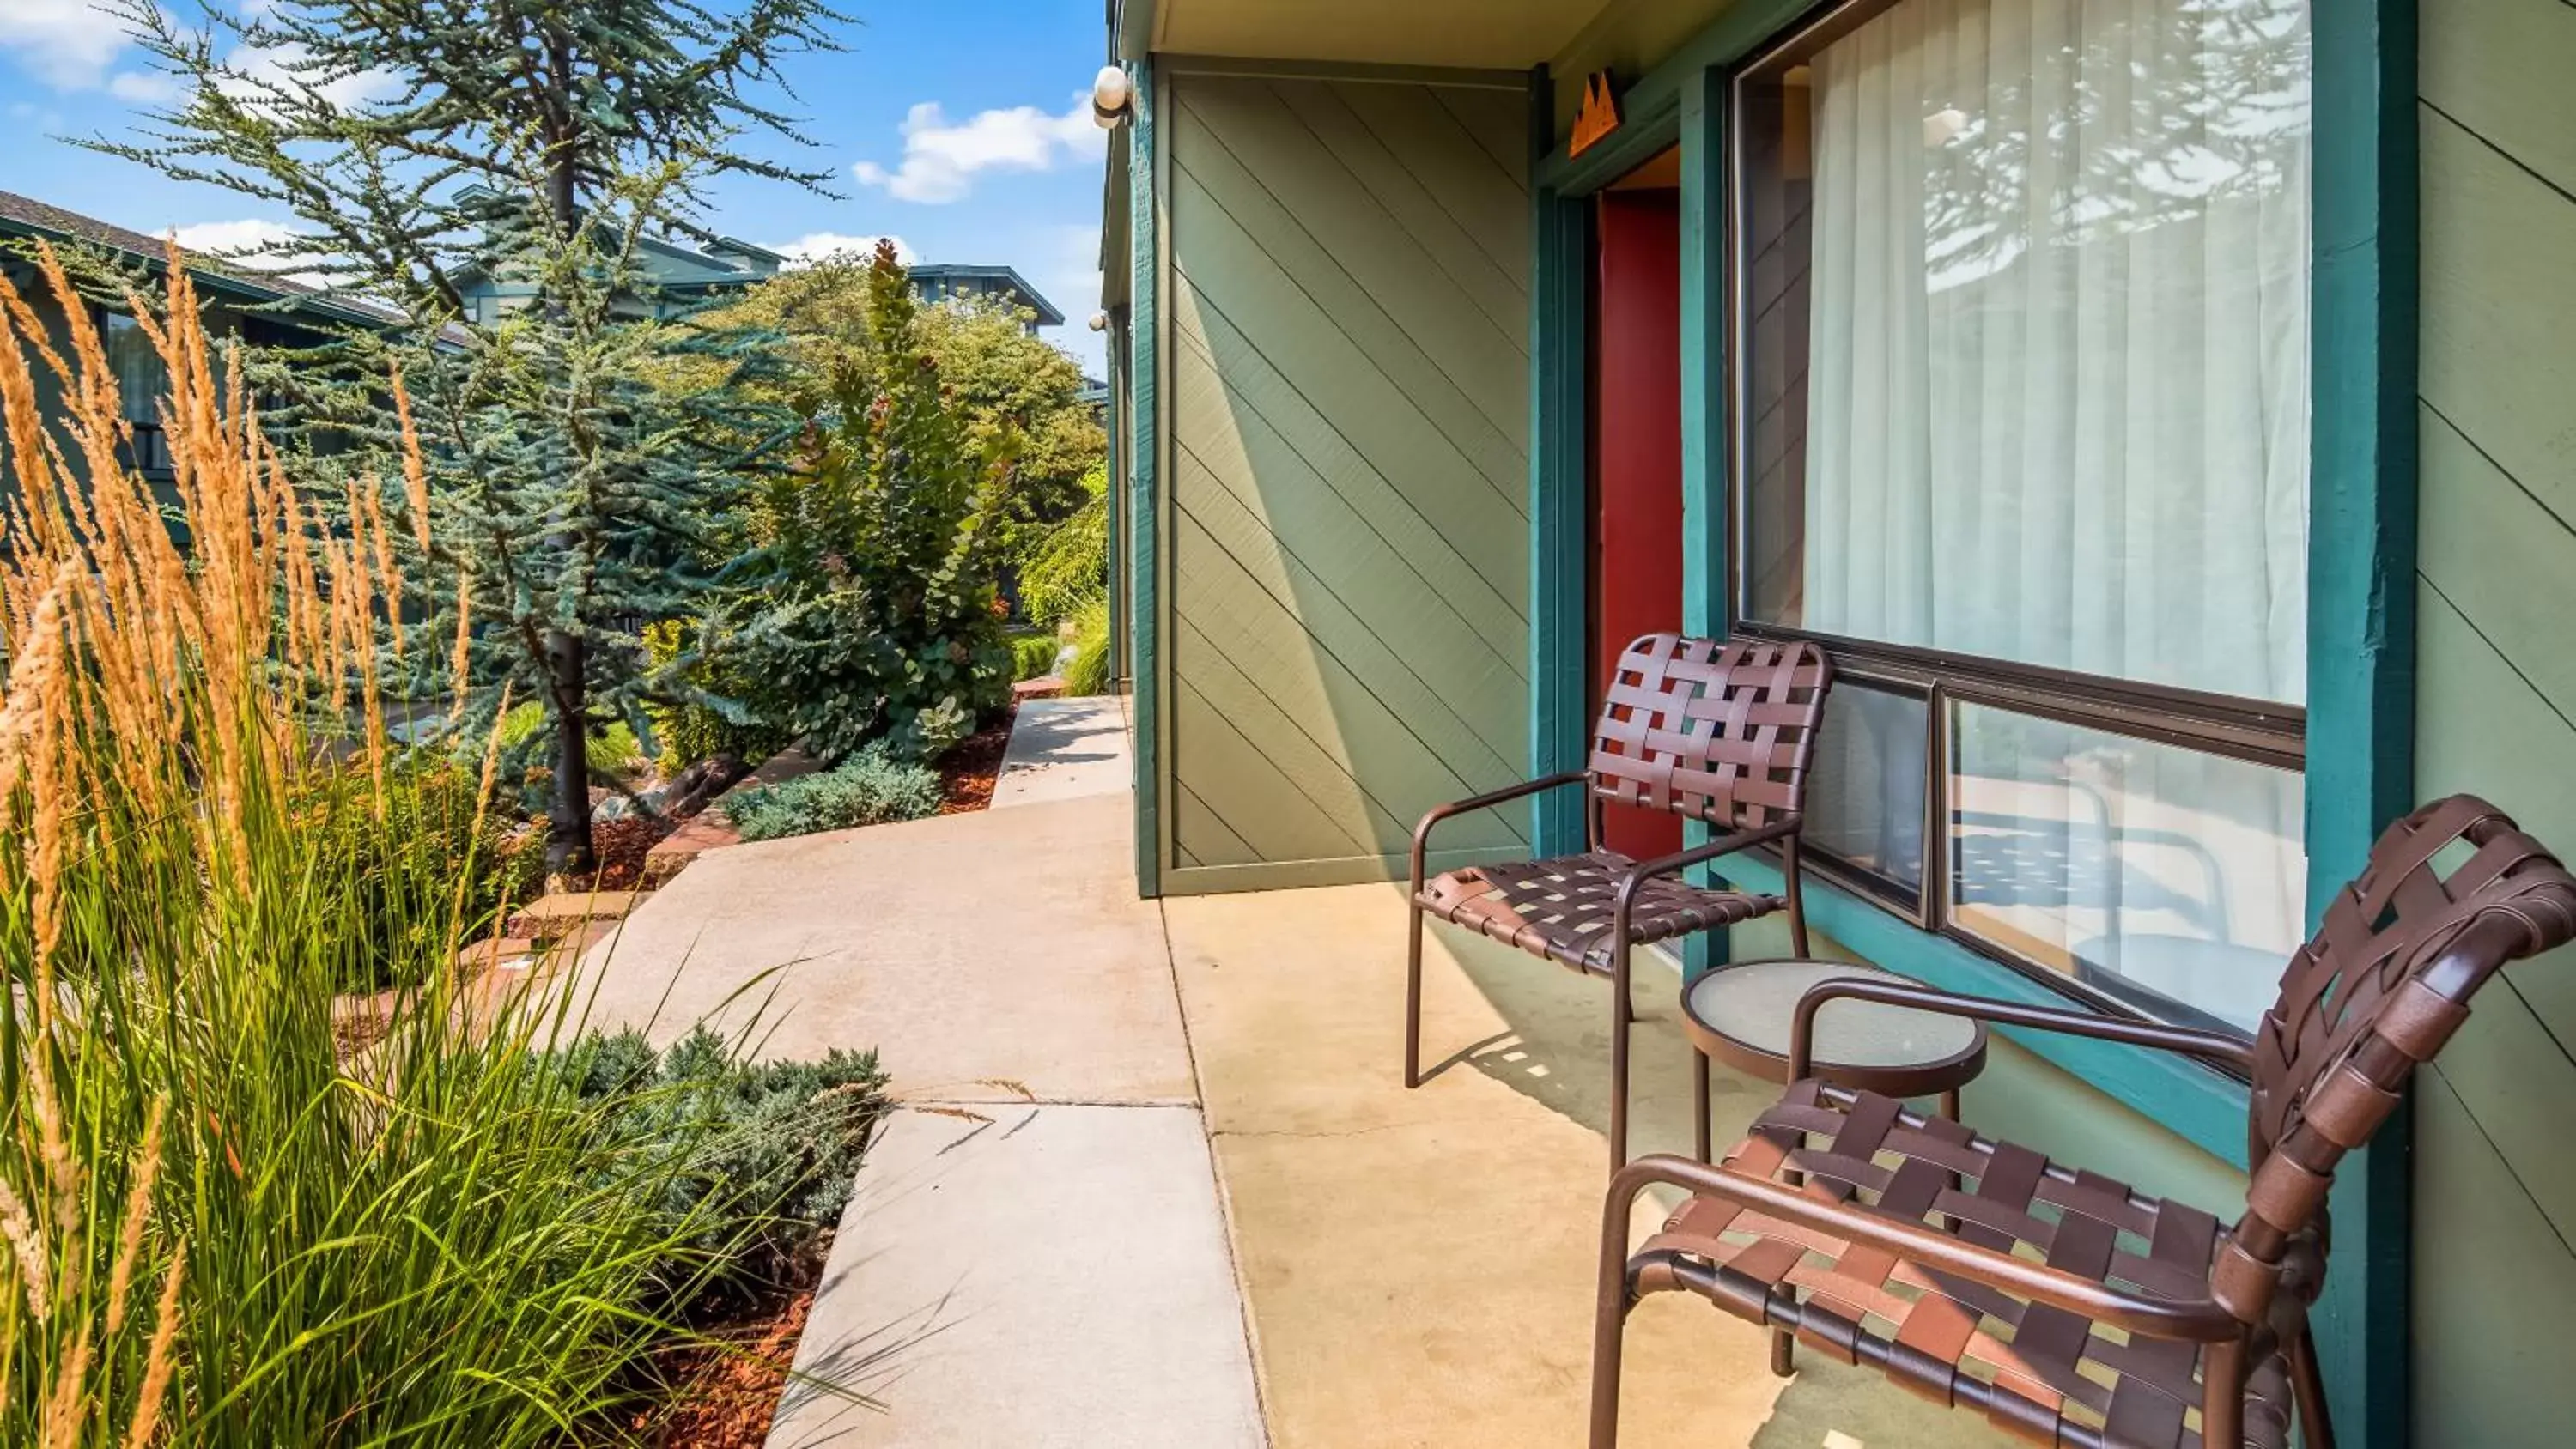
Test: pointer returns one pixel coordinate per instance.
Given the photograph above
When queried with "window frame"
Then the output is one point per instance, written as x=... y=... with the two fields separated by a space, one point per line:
x=2262 y=732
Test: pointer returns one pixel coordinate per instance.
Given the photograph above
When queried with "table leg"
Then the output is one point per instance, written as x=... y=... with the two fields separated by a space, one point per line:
x=1699 y=1104
x=1950 y=1104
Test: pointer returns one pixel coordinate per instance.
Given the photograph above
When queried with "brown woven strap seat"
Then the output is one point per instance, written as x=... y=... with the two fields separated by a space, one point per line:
x=1560 y=908
x=2043 y=1373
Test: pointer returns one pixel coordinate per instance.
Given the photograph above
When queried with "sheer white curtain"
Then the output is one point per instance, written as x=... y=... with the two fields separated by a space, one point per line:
x=2058 y=407
x=2058 y=414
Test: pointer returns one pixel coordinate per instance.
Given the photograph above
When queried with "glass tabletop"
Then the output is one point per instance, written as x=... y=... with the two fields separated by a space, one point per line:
x=1751 y=1004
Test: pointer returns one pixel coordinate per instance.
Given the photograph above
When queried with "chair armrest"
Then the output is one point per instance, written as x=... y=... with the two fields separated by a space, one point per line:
x=1644 y=871
x=2207 y=1045
x=2193 y=1320
x=1486 y=801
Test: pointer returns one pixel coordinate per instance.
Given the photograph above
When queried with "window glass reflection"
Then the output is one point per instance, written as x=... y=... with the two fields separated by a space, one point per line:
x=2172 y=880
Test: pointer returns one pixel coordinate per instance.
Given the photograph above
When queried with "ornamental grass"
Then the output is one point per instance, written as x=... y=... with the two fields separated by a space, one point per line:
x=214 y=1230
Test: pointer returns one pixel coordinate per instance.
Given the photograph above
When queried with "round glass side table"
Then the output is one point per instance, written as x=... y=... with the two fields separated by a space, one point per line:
x=1740 y=1014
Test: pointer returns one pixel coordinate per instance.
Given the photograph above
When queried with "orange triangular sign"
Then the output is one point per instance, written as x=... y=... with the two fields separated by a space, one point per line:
x=1599 y=116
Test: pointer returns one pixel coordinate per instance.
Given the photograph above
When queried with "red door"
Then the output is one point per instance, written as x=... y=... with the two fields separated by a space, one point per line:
x=1636 y=453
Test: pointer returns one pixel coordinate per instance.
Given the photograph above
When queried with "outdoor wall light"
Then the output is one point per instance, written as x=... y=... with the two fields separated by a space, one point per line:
x=1099 y=321
x=1113 y=100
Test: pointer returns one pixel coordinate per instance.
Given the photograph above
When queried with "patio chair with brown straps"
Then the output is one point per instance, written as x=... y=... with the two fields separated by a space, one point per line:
x=1720 y=732
x=2070 y=1308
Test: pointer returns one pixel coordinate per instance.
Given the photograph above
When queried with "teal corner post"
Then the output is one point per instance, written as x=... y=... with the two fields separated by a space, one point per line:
x=1559 y=240
x=1114 y=458
x=1704 y=412
x=1144 y=494
x=2361 y=622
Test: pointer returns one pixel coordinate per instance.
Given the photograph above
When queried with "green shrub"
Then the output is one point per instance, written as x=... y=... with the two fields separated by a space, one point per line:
x=873 y=600
x=772 y=1148
x=1034 y=655
x=688 y=733
x=1089 y=671
x=613 y=750
x=872 y=787
x=1070 y=565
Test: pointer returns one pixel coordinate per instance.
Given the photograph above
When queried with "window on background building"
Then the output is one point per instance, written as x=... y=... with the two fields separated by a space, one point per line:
x=2021 y=293
x=141 y=385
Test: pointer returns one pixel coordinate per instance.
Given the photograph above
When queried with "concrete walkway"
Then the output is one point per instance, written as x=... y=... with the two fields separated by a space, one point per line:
x=1063 y=749
x=1035 y=1255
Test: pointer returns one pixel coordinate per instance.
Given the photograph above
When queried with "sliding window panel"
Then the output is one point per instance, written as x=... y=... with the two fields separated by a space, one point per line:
x=1865 y=798
x=2168 y=880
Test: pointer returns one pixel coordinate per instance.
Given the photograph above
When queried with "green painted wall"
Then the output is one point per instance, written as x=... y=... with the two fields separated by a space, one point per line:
x=1348 y=542
x=2495 y=1175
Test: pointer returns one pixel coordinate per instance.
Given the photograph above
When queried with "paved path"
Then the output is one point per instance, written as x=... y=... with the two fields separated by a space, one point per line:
x=1063 y=749
x=1046 y=1278
x=988 y=956
x=1035 y=1255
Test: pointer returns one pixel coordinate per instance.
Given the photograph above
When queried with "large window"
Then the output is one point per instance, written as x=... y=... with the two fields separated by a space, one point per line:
x=2020 y=352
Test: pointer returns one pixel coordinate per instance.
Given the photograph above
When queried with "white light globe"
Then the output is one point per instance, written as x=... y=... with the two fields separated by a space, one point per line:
x=1110 y=95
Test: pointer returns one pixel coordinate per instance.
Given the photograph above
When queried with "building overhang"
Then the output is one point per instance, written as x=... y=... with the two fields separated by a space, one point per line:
x=1480 y=34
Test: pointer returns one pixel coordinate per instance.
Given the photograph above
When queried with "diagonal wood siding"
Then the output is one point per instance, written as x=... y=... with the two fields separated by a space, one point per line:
x=1349 y=542
x=2495 y=1231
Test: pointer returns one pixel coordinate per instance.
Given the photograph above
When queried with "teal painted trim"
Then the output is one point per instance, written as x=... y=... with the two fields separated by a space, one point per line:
x=1637 y=141
x=1144 y=384
x=2361 y=621
x=1560 y=235
x=1131 y=32
x=1702 y=125
x=2198 y=1104
x=1657 y=95
x=1115 y=546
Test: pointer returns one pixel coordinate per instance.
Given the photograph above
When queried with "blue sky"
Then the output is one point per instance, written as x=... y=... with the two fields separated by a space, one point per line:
x=958 y=128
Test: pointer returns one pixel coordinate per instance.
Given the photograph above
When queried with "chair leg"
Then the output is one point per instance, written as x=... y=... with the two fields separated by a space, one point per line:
x=1619 y=1019
x=2222 y=1401
x=1797 y=897
x=1413 y=1005
x=1784 y=1353
x=1700 y=1129
x=2308 y=1389
x=1608 y=1330
x=1610 y=1308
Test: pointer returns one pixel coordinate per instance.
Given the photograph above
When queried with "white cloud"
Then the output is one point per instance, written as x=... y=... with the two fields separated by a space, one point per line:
x=71 y=45
x=66 y=43
x=277 y=67
x=941 y=158
x=255 y=243
x=146 y=87
x=228 y=236
x=814 y=246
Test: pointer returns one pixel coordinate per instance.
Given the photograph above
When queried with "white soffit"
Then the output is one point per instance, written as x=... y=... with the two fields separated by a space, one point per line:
x=1497 y=34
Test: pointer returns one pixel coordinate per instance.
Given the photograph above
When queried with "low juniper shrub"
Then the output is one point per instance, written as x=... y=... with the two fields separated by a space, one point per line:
x=773 y=1146
x=871 y=787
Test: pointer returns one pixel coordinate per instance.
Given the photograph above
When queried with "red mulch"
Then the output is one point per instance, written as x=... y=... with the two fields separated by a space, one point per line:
x=721 y=1400
x=621 y=845
x=967 y=772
